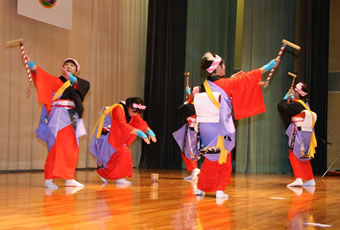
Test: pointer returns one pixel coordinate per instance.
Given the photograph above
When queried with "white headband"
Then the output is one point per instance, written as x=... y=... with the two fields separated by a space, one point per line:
x=214 y=65
x=138 y=106
x=298 y=88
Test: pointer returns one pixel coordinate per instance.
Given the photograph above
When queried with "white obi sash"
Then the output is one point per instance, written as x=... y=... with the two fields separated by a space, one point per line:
x=206 y=111
x=306 y=124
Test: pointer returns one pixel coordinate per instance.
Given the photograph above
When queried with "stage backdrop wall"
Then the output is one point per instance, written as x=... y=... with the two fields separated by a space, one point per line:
x=108 y=38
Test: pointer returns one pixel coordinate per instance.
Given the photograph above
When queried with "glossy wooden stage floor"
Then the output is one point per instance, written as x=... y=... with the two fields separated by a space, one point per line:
x=255 y=202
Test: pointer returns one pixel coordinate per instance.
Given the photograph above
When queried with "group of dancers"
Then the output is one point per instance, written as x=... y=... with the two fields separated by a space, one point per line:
x=61 y=126
x=209 y=128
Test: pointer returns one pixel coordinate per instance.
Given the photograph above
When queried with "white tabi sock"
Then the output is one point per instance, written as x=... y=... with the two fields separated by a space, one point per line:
x=103 y=179
x=220 y=194
x=297 y=182
x=49 y=184
x=199 y=192
x=73 y=183
x=309 y=183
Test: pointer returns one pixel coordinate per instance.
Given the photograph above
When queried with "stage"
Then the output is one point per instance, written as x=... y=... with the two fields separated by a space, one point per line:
x=256 y=201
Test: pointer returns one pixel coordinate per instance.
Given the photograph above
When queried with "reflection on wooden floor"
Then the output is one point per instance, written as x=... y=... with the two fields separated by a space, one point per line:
x=255 y=202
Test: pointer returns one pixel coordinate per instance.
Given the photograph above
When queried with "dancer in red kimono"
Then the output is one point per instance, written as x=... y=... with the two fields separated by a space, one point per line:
x=241 y=95
x=61 y=122
x=115 y=130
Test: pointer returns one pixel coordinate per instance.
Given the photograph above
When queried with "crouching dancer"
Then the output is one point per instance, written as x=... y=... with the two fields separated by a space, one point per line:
x=115 y=130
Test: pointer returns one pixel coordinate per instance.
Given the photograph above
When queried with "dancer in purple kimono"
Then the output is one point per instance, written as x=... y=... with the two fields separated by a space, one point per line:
x=240 y=94
x=302 y=141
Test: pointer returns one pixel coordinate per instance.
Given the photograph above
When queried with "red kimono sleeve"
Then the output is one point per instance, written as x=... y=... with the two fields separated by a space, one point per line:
x=45 y=84
x=138 y=123
x=246 y=93
x=120 y=129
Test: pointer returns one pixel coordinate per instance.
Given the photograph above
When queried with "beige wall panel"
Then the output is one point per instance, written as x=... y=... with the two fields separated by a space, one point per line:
x=23 y=108
x=17 y=105
x=333 y=150
x=109 y=41
x=100 y=62
x=134 y=30
x=79 y=46
x=5 y=80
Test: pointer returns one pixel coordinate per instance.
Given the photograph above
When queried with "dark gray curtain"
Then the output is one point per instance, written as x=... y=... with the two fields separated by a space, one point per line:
x=164 y=87
x=313 y=36
x=262 y=146
x=210 y=27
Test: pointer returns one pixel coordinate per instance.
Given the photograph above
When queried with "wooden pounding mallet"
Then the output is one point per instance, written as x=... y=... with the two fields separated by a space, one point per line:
x=187 y=86
x=292 y=85
x=24 y=57
x=284 y=43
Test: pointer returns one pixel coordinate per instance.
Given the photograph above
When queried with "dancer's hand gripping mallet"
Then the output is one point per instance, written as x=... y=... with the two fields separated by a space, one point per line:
x=292 y=86
x=284 y=43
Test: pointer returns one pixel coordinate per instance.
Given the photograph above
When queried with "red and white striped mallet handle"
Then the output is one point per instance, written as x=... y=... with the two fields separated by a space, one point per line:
x=24 y=57
x=273 y=69
x=291 y=86
x=23 y=54
x=284 y=43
